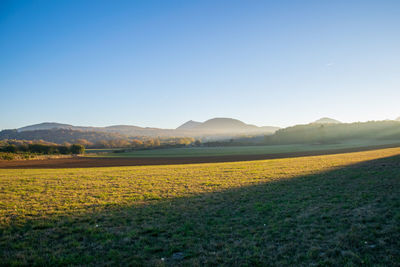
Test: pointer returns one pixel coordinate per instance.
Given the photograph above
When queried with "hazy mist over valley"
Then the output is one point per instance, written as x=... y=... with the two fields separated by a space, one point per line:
x=324 y=130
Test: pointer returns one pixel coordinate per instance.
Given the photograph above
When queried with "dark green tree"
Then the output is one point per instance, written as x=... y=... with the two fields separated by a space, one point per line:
x=77 y=149
x=63 y=149
x=10 y=148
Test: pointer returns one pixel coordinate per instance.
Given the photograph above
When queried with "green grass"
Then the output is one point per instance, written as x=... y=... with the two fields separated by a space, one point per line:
x=238 y=150
x=101 y=150
x=333 y=210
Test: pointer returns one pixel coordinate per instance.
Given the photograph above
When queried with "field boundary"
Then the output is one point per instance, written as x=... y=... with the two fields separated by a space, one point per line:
x=86 y=162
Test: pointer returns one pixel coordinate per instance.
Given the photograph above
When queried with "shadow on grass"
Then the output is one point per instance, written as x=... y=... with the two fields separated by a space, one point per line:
x=347 y=216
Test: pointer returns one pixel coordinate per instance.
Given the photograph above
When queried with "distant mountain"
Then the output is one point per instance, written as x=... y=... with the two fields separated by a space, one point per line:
x=326 y=121
x=213 y=127
x=217 y=129
x=220 y=126
x=224 y=124
x=45 y=126
x=59 y=136
x=189 y=125
x=129 y=130
x=122 y=127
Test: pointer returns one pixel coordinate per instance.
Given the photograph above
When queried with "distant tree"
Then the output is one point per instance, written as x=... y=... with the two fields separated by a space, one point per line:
x=66 y=144
x=136 y=143
x=84 y=142
x=149 y=143
x=23 y=147
x=102 y=144
x=63 y=149
x=77 y=149
x=156 y=142
x=185 y=141
x=10 y=149
x=118 y=143
x=322 y=133
x=39 y=148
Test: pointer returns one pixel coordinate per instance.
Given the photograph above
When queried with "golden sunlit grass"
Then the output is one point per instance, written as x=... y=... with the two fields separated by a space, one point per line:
x=311 y=209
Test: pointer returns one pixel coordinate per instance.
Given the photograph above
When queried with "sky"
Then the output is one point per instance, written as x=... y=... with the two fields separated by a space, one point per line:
x=162 y=63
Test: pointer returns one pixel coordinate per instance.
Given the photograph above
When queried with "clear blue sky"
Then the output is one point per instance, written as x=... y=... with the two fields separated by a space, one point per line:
x=161 y=63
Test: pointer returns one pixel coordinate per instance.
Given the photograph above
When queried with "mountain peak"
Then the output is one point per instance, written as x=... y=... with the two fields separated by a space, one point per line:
x=327 y=121
x=45 y=126
x=225 y=123
x=189 y=125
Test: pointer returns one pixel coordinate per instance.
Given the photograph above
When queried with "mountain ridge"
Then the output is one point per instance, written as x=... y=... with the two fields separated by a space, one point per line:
x=215 y=126
x=326 y=120
x=227 y=125
x=188 y=125
x=45 y=126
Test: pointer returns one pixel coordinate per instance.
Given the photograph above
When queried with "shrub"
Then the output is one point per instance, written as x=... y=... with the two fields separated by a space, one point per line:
x=10 y=149
x=39 y=148
x=63 y=150
x=6 y=156
x=77 y=149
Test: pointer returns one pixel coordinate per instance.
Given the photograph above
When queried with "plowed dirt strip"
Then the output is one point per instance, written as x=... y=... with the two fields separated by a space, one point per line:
x=82 y=162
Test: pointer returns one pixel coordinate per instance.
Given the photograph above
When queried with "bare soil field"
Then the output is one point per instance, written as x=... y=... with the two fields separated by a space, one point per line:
x=83 y=162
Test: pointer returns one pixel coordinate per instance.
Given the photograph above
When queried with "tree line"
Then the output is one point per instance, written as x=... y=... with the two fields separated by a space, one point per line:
x=18 y=146
x=334 y=133
x=144 y=143
x=91 y=139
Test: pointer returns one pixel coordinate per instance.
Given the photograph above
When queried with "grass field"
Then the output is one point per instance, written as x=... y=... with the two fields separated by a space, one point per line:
x=235 y=150
x=339 y=210
x=101 y=150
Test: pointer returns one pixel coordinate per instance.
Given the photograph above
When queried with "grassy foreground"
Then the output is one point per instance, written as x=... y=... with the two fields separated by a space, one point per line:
x=338 y=210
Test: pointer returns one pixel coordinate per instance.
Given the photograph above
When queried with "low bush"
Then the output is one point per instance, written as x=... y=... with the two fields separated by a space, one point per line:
x=7 y=156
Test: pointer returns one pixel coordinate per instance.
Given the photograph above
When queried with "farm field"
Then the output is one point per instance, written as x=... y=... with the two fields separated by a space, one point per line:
x=101 y=150
x=237 y=150
x=88 y=161
x=341 y=209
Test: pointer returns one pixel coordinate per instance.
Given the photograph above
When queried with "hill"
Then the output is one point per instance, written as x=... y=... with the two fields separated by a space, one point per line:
x=324 y=131
x=59 y=136
x=213 y=127
x=228 y=126
x=334 y=133
x=326 y=121
x=45 y=126
x=189 y=125
x=129 y=130
x=225 y=124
